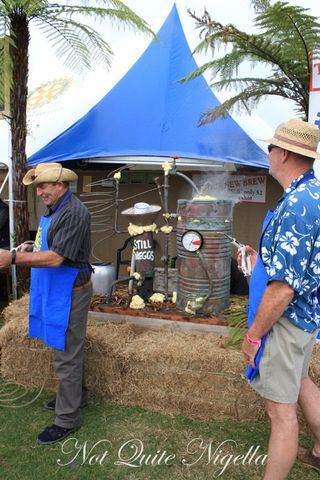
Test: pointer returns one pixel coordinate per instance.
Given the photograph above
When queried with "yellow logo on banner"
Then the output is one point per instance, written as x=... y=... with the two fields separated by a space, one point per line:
x=47 y=92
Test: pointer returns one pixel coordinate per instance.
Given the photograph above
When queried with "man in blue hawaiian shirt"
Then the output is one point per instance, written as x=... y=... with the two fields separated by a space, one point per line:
x=284 y=309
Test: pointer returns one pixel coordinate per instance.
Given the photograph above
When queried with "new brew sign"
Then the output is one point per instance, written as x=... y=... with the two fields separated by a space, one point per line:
x=247 y=188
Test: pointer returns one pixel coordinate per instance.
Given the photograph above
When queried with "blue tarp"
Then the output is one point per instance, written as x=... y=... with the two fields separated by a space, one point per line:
x=149 y=113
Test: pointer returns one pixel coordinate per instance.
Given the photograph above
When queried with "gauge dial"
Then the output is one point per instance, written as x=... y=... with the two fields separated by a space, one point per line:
x=192 y=240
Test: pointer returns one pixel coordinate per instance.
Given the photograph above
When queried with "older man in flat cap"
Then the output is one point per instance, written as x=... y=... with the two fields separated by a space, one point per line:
x=284 y=308
x=60 y=289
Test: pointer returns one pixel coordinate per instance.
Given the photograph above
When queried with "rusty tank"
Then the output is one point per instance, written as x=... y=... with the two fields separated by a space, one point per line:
x=204 y=254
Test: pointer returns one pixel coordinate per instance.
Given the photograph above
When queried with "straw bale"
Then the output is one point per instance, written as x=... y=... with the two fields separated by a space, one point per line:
x=29 y=361
x=105 y=362
x=191 y=375
x=170 y=372
x=17 y=310
x=24 y=360
x=28 y=366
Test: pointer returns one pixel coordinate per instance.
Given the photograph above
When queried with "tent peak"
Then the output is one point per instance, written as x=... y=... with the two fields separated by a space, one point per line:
x=149 y=113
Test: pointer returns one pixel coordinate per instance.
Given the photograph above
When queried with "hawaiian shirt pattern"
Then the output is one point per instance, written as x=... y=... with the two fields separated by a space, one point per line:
x=290 y=249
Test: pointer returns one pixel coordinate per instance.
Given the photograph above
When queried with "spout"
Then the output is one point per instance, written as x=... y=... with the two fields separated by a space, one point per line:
x=189 y=181
x=121 y=280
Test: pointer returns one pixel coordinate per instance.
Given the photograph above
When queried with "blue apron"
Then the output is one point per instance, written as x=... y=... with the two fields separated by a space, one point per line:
x=258 y=284
x=50 y=293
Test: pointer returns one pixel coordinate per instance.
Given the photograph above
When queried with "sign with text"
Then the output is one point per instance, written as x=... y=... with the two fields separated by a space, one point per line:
x=315 y=76
x=248 y=188
x=314 y=95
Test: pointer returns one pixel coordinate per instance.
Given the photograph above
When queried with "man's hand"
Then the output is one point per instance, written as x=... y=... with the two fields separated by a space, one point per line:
x=5 y=258
x=249 y=350
x=26 y=246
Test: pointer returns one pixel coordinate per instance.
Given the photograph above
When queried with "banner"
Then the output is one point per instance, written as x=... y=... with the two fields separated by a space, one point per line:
x=244 y=187
x=248 y=188
x=314 y=96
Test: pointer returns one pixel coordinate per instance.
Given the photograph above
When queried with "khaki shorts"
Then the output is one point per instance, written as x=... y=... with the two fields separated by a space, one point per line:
x=285 y=361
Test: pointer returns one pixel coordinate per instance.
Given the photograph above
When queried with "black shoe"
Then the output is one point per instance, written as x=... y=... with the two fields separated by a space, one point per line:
x=51 y=404
x=54 y=434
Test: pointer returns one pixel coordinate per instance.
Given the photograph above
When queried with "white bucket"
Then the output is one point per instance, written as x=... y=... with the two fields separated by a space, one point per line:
x=102 y=278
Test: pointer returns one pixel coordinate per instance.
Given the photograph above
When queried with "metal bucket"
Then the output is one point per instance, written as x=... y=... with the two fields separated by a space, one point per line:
x=211 y=219
x=102 y=278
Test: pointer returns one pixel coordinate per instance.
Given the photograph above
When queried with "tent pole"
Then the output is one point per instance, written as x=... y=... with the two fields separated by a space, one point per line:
x=166 y=237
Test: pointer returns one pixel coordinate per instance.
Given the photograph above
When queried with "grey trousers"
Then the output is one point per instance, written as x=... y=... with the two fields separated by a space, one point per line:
x=69 y=364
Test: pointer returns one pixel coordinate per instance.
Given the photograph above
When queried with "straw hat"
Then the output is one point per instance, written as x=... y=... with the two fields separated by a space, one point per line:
x=297 y=136
x=49 y=172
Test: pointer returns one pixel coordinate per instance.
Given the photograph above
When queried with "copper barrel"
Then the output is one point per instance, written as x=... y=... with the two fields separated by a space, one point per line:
x=211 y=219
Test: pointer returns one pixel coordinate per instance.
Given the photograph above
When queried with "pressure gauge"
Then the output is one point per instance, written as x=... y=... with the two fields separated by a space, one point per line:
x=192 y=240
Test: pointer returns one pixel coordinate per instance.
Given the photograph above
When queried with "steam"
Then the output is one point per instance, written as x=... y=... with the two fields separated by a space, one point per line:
x=221 y=186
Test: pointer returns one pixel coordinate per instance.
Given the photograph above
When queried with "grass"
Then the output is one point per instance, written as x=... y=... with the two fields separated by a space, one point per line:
x=112 y=434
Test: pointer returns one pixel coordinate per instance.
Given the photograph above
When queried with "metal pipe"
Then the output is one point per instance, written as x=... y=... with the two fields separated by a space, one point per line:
x=116 y=203
x=4 y=182
x=158 y=182
x=137 y=195
x=120 y=280
x=132 y=269
x=166 y=239
x=204 y=266
x=197 y=304
x=182 y=175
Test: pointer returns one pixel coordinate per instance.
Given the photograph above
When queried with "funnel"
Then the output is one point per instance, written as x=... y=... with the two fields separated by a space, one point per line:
x=142 y=213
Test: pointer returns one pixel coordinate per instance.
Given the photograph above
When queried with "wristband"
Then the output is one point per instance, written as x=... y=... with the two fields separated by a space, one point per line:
x=13 y=256
x=253 y=341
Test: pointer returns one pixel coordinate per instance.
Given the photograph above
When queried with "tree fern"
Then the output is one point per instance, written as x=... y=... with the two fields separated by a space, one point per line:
x=287 y=37
x=76 y=42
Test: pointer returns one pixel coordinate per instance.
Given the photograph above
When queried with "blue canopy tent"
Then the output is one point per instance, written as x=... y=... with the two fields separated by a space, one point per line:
x=150 y=114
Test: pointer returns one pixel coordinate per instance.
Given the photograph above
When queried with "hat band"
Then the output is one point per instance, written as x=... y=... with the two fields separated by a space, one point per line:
x=294 y=143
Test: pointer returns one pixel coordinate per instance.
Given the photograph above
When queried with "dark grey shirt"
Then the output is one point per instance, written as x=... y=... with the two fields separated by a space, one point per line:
x=69 y=235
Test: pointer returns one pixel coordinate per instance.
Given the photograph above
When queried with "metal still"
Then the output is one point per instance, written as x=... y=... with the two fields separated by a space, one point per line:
x=204 y=254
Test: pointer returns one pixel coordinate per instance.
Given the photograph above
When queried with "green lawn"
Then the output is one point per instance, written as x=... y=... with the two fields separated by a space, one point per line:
x=155 y=446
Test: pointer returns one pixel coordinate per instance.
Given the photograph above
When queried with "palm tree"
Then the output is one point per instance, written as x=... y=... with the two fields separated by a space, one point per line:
x=288 y=36
x=77 y=43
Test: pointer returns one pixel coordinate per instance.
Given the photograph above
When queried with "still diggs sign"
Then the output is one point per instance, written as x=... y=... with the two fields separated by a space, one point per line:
x=144 y=253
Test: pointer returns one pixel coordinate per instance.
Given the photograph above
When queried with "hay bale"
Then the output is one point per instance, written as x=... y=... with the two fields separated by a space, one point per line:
x=314 y=373
x=29 y=361
x=190 y=375
x=17 y=310
x=24 y=360
x=105 y=362
x=173 y=373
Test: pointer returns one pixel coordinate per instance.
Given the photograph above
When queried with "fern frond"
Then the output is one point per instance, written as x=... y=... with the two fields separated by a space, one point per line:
x=289 y=35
